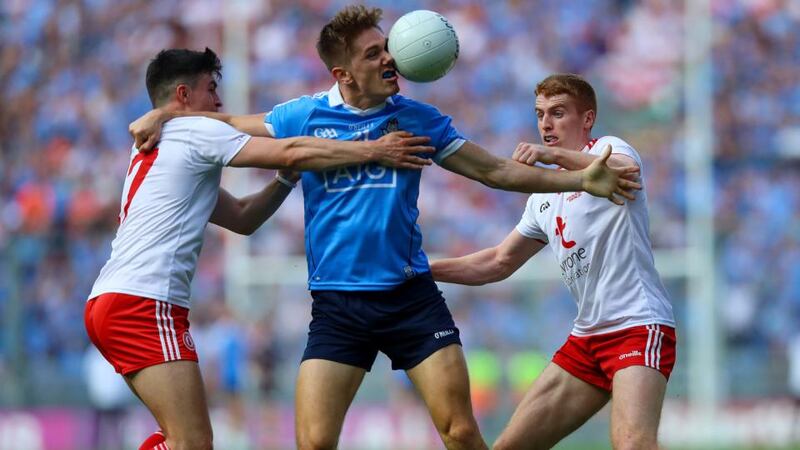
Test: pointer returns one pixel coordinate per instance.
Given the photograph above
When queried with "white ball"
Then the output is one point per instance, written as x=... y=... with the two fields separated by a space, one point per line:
x=424 y=45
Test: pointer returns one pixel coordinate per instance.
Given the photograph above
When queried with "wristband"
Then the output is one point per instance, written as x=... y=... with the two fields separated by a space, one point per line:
x=284 y=181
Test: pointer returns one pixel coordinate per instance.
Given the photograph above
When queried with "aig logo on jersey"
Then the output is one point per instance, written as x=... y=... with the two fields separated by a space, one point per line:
x=362 y=176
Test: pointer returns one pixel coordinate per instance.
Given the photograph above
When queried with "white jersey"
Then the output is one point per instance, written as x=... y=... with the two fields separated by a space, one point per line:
x=604 y=253
x=168 y=197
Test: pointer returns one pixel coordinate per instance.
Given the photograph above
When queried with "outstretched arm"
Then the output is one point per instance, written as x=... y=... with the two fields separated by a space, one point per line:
x=530 y=154
x=396 y=149
x=245 y=215
x=146 y=130
x=488 y=265
x=597 y=179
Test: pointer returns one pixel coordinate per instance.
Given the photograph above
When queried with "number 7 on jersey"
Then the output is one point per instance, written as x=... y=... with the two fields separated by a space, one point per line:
x=142 y=162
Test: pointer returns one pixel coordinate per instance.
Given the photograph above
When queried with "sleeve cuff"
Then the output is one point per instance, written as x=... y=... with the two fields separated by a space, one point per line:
x=270 y=129
x=451 y=148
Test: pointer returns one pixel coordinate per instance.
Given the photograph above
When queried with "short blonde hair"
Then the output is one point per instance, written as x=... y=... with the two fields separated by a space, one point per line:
x=337 y=36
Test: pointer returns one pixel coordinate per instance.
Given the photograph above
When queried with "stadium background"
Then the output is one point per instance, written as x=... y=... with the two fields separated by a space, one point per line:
x=72 y=78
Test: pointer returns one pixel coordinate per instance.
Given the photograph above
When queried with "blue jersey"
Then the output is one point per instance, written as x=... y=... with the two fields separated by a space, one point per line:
x=361 y=231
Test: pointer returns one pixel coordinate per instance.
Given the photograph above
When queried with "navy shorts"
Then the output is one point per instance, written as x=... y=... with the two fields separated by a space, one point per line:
x=408 y=324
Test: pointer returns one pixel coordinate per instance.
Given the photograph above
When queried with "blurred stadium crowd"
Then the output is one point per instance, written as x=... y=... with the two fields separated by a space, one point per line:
x=72 y=78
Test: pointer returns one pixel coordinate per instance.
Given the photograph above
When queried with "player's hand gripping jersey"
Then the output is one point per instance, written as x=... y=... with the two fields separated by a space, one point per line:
x=168 y=197
x=361 y=221
x=604 y=253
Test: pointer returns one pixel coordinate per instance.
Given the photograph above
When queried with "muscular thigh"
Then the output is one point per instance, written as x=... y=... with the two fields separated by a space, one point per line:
x=443 y=382
x=556 y=404
x=174 y=393
x=636 y=406
x=323 y=394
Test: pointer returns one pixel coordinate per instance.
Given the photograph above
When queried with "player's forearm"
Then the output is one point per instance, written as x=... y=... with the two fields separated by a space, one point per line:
x=252 y=124
x=164 y=115
x=570 y=160
x=257 y=208
x=309 y=153
x=515 y=176
x=574 y=160
x=474 y=270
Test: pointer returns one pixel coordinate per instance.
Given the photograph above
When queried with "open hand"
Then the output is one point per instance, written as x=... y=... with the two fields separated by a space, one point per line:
x=603 y=181
x=398 y=149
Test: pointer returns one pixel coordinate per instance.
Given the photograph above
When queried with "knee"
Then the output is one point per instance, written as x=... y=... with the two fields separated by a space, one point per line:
x=465 y=433
x=316 y=440
x=635 y=441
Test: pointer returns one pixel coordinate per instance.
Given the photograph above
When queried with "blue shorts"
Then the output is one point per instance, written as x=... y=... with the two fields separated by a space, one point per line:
x=408 y=324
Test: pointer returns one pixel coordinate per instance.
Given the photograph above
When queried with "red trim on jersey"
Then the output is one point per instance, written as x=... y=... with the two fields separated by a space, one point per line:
x=147 y=160
x=591 y=144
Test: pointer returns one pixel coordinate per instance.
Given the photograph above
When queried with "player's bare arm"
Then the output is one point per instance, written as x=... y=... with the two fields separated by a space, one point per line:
x=245 y=215
x=488 y=265
x=396 y=149
x=146 y=130
x=598 y=179
x=528 y=153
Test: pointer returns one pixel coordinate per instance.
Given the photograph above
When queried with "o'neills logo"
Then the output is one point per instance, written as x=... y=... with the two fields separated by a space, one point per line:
x=630 y=355
x=441 y=334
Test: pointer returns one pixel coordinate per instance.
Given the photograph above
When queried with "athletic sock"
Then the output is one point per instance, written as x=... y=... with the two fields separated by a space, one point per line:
x=156 y=441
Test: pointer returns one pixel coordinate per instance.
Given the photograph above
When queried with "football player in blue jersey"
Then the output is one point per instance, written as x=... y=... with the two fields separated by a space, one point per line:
x=369 y=278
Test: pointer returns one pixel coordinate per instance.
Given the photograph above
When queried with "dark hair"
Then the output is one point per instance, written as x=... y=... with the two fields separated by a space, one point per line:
x=337 y=35
x=176 y=66
x=572 y=85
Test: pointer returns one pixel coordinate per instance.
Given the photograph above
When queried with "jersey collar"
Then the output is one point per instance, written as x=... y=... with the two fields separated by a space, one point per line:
x=335 y=99
x=589 y=145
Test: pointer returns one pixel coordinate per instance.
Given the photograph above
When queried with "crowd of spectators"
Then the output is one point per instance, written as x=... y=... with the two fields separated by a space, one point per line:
x=72 y=78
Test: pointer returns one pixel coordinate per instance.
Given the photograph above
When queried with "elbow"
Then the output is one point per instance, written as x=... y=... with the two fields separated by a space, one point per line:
x=293 y=155
x=242 y=229
x=488 y=178
x=246 y=230
x=496 y=177
x=493 y=182
x=502 y=269
x=497 y=272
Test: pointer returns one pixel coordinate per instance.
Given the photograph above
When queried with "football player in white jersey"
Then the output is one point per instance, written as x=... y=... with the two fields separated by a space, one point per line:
x=623 y=339
x=137 y=312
